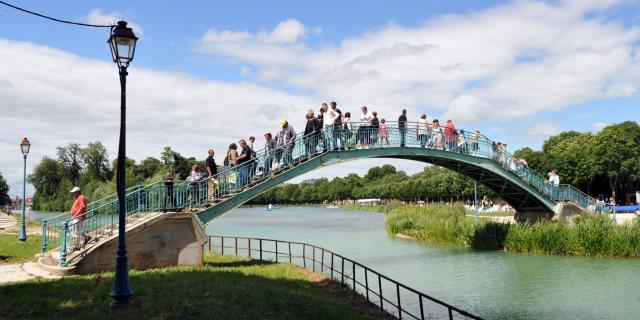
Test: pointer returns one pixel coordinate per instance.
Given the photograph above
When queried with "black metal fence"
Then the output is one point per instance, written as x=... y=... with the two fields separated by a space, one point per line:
x=391 y=296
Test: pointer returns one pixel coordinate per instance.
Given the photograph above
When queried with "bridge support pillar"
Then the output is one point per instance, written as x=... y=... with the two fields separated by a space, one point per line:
x=168 y=239
x=532 y=216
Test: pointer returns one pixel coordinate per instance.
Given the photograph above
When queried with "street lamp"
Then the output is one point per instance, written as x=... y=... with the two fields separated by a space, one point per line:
x=123 y=45
x=24 y=147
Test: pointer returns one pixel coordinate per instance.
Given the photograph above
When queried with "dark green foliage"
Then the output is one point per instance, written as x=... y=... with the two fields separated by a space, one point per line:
x=597 y=164
x=433 y=184
x=4 y=191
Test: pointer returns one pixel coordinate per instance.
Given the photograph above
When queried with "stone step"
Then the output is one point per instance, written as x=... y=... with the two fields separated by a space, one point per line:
x=35 y=269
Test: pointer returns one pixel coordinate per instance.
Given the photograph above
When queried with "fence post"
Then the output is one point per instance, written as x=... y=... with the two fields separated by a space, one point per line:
x=399 y=307
x=354 y=274
x=304 y=255
x=450 y=314
x=380 y=290
x=290 y=252
x=366 y=284
x=222 y=244
x=276 y=250
x=260 y=249
x=421 y=308
x=314 y=258
x=322 y=262
x=332 y=265
x=249 y=245
x=63 y=245
x=236 y=246
x=44 y=236
x=209 y=243
x=342 y=273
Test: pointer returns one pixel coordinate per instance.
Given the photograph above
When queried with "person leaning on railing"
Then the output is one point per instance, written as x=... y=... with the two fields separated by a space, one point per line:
x=79 y=214
x=212 y=170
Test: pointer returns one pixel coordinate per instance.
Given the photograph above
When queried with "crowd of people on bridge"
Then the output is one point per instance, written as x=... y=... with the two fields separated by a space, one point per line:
x=332 y=129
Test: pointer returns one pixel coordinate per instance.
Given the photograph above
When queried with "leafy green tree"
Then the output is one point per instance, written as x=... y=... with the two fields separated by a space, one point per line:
x=96 y=162
x=49 y=179
x=4 y=191
x=617 y=153
x=70 y=156
x=167 y=155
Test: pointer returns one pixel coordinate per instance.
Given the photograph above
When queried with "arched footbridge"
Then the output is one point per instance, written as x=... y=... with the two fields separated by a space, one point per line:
x=468 y=153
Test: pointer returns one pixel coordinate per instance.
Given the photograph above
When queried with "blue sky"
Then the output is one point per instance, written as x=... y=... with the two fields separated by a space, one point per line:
x=209 y=73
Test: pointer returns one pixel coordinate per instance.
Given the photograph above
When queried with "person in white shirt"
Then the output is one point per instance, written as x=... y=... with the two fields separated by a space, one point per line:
x=330 y=116
x=365 y=119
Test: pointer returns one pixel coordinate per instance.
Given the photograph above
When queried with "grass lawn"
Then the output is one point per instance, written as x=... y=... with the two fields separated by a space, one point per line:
x=12 y=251
x=224 y=288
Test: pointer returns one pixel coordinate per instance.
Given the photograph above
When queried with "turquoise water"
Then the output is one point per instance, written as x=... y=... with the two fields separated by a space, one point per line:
x=493 y=285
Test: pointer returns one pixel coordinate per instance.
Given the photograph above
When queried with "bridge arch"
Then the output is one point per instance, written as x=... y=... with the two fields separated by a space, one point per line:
x=507 y=184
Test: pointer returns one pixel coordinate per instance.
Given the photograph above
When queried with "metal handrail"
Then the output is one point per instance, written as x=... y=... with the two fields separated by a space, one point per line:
x=398 y=307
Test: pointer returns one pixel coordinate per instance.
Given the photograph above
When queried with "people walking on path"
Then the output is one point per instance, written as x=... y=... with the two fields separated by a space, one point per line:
x=402 y=127
x=79 y=214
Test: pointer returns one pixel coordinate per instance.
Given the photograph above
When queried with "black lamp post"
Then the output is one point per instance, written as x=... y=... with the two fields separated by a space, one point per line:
x=24 y=147
x=123 y=45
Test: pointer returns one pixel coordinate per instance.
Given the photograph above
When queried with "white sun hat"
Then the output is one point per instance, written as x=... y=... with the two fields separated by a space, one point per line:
x=75 y=189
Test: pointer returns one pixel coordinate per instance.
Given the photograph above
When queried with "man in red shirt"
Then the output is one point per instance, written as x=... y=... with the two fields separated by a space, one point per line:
x=450 y=135
x=79 y=214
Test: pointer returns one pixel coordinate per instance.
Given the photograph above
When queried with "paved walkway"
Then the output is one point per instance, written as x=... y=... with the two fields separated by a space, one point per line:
x=18 y=272
x=7 y=221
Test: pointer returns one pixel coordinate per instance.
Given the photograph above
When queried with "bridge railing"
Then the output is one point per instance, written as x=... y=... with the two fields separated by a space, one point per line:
x=102 y=214
x=389 y=295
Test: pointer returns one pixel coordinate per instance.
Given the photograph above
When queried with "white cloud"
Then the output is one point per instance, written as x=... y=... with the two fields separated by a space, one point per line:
x=598 y=126
x=96 y=16
x=245 y=71
x=55 y=98
x=286 y=32
x=510 y=61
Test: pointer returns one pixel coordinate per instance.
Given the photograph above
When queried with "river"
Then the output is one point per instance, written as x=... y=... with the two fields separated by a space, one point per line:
x=493 y=285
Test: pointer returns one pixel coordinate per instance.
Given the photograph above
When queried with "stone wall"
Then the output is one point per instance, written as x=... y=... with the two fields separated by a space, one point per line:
x=169 y=239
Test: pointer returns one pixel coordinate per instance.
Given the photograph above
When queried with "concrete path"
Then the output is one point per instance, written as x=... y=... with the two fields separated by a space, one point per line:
x=7 y=221
x=18 y=272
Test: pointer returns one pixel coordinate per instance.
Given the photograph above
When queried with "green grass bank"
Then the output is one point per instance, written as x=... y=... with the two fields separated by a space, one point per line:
x=12 y=251
x=224 y=288
x=592 y=235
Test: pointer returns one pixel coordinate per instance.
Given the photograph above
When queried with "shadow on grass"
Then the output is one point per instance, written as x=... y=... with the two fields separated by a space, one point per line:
x=273 y=291
x=243 y=263
x=490 y=236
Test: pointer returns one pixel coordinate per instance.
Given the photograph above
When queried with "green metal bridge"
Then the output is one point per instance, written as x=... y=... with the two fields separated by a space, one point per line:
x=469 y=153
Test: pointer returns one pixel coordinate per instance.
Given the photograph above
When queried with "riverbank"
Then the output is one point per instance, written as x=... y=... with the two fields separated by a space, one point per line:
x=592 y=235
x=224 y=288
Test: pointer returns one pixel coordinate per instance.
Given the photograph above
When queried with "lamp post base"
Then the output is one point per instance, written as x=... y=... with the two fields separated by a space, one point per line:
x=121 y=292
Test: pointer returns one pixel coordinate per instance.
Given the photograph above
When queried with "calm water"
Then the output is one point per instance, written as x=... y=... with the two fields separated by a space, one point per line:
x=494 y=285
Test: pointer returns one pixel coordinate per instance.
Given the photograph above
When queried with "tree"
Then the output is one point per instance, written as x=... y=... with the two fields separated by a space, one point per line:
x=167 y=155
x=4 y=191
x=70 y=157
x=52 y=186
x=96 y=162
x=617 y=153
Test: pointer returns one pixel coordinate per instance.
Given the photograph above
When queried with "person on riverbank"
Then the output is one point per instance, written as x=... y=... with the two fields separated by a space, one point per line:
x=402 y=127
x=79 y=214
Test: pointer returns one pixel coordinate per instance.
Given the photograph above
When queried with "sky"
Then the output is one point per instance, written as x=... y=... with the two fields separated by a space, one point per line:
x=208 y=73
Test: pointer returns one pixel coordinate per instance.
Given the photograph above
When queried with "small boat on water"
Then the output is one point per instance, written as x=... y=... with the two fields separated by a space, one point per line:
x=332 y=207
x=269 y=207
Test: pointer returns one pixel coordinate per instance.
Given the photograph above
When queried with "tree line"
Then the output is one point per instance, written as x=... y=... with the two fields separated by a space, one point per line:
x=606 y=164
x=433 y=184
